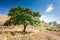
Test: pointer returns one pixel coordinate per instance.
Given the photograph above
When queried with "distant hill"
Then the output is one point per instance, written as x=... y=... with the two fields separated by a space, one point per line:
x=3 y=18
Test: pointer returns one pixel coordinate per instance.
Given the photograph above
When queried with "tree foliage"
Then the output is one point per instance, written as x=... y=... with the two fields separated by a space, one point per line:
x=20 y=15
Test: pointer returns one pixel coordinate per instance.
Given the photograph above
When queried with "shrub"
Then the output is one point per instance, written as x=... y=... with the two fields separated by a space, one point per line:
x=12 y=33
x=49 y=29
x=0 y=27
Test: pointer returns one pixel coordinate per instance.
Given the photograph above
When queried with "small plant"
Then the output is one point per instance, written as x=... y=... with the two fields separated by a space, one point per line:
x=49 y=29
x=17 y=31
x=0 y=32
x=43 y=29
x=12 y=33
x=25 y=32
x=0 y=27
x=6 y=32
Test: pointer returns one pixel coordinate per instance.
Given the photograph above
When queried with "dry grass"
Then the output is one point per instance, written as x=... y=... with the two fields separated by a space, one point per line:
x=3 y=18
x=57 y=33
x=14 y=32
x=19 y=36
x=51 y=38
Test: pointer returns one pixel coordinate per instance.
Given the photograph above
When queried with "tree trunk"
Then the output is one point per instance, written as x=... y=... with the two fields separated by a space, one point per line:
x=24 y=30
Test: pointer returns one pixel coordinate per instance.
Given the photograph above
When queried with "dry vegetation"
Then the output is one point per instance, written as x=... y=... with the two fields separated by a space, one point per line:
x=15 y=32
x=3 y=18
x=18 y=36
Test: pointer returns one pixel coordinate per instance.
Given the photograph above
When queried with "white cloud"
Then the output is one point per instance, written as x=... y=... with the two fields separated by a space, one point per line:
x=42 y=17
x=48 y=18
x=49 y=8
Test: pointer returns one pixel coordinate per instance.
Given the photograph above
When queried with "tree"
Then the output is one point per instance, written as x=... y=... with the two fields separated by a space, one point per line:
x=54 y=22
x=20 y=15
x=50 y=23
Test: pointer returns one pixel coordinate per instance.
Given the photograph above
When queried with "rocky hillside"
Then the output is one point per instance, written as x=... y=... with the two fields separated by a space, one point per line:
x=3 y=18
x=15 y=32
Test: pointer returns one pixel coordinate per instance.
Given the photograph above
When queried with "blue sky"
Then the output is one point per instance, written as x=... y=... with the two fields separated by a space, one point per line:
x=49 y=9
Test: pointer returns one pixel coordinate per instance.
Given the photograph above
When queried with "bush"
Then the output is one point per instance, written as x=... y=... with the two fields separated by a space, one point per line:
x=0 y=32
x=8 y=22
x=0 y=27
x=49 y=29
x=12 y=33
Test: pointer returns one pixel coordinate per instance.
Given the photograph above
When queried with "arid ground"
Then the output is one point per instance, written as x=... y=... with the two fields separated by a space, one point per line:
x=33 y=33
